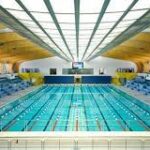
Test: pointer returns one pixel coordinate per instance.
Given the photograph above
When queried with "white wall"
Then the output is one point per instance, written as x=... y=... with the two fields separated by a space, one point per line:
x=45 y=64
x=109 y=64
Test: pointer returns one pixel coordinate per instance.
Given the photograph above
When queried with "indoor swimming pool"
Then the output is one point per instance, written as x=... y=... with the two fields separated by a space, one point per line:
x=75 y=108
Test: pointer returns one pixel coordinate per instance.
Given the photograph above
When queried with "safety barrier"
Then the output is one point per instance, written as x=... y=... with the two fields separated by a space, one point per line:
x=59 y=79
x=71 y=79
x=96 y=79
x=75 y=141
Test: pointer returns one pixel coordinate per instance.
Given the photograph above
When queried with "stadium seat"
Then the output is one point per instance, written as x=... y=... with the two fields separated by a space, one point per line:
x=139 y=84
x=10 y=86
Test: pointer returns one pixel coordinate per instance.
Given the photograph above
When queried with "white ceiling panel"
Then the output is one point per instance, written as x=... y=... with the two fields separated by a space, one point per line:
x=59 y=23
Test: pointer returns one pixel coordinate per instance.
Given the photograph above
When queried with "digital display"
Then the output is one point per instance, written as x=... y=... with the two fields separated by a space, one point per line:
x=77 y=65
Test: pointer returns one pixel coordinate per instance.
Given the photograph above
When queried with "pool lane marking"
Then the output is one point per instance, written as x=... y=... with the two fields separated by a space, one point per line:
x=84 y=108
x=77 y=124
x=146 y=127
x=12 y=122
x=56 y=121
x=68 y=116
x=126 y=95
x=94 y=114
x=99 y=109
x=49 y=120
x=33 y=123
x=114 y=110
x=9 y=125
x=58 y=118
x=15 y=118
x=18 y=100
x=37 y=112
x=55 y=124
x=53 y=111
x=142 y=121
x=98 y=124
x=125 y=129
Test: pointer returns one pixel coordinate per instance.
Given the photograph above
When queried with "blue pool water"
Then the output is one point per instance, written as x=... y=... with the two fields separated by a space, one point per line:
x=76 y=108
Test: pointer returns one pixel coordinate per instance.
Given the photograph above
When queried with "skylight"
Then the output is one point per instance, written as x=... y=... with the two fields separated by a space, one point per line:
x=77 y=29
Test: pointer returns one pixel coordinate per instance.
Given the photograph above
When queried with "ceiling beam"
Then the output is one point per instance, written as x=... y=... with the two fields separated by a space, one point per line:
x=39 y=25
x=142 y=23
x=13 y=23
x=114 y=26
x=51 y=12
x=101 y=14
x=77 y=23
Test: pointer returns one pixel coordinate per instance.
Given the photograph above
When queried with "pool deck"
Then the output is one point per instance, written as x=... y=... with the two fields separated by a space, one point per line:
x=7 y=99
x=135 y=94
x=65 y=135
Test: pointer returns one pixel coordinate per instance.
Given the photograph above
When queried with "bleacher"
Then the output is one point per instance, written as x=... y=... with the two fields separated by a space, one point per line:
x=140 y=84
x=9 y=86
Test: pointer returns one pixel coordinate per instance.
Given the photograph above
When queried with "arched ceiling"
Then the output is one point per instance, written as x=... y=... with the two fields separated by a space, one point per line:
x=136 y=49
x=16 y=48
x=77 y=30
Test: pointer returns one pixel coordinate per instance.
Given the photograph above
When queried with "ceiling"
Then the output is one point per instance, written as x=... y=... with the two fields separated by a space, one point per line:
x=76 y=30
x=15 y=48
x=136 y=49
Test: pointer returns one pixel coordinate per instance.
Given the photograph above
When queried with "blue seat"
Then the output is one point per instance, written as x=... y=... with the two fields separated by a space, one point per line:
x=139 y=84
x=10 y=86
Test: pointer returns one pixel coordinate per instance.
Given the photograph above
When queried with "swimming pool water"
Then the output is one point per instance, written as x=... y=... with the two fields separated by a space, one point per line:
x=75 y=108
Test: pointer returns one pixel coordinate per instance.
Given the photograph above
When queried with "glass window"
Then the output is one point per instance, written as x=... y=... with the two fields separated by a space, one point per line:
x=118 y=5
x=134 y=14
x=88 y=6
x=142 y=4
x=53 y=71
x=37 y=6
x=65 y=14
x=10 y=4
x=66 y=6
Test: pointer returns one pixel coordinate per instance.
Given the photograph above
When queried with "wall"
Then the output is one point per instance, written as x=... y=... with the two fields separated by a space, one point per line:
x=45 y=64
x=6 y=68
x=146 y=66
x=143 y=66
x=109 y=65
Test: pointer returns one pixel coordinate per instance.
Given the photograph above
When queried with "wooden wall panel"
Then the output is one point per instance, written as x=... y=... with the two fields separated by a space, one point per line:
x=136 y=49
x=15 y=48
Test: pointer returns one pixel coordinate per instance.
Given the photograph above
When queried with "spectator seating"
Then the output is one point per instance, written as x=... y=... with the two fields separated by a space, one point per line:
x=9 y=86
x=139 y=84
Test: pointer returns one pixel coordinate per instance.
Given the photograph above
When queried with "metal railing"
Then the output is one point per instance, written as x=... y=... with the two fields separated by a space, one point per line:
x=74 y=144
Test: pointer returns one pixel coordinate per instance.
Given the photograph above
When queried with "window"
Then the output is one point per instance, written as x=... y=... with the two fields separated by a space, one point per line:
x=53 y=71
x=101 y=70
